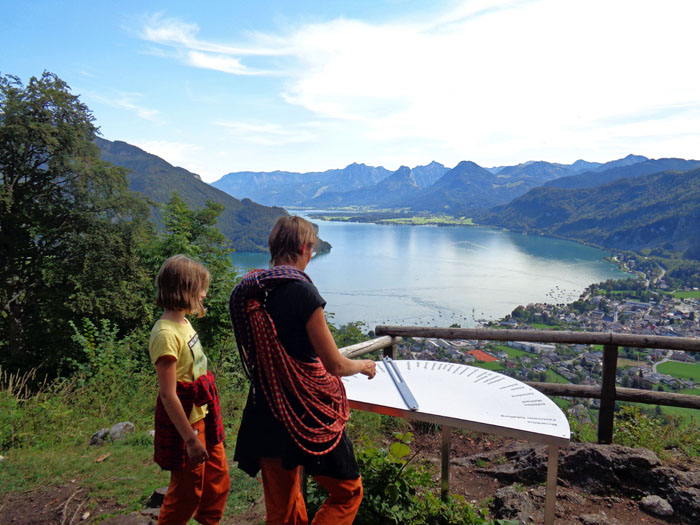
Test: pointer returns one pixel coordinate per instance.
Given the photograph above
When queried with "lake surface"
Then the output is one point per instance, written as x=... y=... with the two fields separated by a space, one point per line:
x=437 y=276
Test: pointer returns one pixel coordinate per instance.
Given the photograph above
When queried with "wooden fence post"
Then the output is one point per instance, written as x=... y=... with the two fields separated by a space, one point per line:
x=391 y=351
x=445 y=463
x=608 y=393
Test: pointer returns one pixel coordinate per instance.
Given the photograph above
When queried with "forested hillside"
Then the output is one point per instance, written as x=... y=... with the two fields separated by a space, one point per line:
x=659 y=210
x=244 y=222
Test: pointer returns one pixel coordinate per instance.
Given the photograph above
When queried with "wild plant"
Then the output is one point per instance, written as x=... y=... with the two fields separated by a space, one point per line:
x=397 y=490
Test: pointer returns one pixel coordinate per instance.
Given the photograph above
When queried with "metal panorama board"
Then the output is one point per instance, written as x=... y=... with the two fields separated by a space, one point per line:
x=463 y=396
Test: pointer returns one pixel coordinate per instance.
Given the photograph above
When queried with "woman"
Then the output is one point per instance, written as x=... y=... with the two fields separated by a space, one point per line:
x=297 y=409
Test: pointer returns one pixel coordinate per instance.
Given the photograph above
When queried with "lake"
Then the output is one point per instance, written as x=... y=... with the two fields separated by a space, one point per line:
x=437 y=276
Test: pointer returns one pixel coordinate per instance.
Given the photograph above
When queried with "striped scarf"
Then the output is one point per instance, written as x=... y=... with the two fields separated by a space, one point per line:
x=310 y=402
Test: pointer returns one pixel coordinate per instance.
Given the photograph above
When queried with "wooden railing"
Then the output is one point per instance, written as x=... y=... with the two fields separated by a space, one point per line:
x=607 y=391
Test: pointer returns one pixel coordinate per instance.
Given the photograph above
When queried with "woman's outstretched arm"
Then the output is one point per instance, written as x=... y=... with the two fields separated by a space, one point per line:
x=324 y=345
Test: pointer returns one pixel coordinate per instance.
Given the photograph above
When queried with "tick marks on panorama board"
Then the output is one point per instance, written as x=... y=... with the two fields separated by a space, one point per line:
x=484 y=377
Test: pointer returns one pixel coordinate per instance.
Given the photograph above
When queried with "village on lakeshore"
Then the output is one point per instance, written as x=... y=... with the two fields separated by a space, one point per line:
x=663 y=313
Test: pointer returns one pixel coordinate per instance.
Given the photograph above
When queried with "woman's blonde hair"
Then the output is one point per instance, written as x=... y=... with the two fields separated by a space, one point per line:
x=181 y=281
x=287 y=237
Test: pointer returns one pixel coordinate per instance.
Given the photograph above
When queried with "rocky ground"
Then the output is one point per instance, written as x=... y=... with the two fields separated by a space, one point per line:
x=597 y=485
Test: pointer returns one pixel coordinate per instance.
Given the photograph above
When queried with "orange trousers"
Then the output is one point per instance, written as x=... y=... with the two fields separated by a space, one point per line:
x=200 y=490
x=284 y=502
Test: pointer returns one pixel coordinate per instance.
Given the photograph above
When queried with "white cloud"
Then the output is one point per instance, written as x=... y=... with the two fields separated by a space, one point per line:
x=217 y=62
x=181 y=37
x=175 y=33
x=195 y=158
x=175 y=153
x=539 y=71
x=266 y=133
x=129 y=102
x=493 y=81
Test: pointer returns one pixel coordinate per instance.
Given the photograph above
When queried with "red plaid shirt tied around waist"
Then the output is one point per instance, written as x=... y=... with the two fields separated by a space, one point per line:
x=310 y=402
x=169 y=448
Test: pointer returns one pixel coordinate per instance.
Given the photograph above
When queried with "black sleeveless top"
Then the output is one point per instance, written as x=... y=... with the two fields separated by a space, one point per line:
x=290 y=306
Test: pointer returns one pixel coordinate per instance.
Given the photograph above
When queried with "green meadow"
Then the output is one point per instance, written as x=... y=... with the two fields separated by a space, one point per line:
x=681 y=370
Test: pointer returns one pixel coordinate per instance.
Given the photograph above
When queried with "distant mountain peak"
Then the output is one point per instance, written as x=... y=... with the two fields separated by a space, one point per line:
x=467 y=164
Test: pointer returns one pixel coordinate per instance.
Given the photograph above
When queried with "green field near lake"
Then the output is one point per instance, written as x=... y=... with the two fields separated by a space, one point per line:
x=492 y=365
x=512 y=352
x=553 y=377
x=543 y=326
x=681 y=370
x=687 y=294
x=435 y=220
x=687 y=415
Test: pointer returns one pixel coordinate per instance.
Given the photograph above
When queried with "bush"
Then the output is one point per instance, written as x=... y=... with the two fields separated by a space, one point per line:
x=660 y=433
x=395 y=491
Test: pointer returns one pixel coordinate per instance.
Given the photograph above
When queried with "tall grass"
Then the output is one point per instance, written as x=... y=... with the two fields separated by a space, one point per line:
x=46 y=426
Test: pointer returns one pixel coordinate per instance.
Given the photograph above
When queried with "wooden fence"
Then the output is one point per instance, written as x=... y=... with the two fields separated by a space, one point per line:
x=607 y=391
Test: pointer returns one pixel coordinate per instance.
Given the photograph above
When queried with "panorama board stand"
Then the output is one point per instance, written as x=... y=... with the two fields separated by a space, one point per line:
x=461 y=396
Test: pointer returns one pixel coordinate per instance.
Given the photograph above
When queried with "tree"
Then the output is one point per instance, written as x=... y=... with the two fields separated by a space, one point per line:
x=194 y=233
x=70 y=228
x=348 y=334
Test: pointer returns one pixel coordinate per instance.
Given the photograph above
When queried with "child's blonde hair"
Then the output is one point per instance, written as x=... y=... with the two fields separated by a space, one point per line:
x=181 y=281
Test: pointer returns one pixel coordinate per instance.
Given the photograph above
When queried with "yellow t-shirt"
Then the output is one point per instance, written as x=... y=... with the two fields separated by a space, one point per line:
x=181 y=342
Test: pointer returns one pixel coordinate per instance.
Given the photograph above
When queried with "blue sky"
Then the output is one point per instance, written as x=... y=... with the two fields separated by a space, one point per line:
x=225 y=86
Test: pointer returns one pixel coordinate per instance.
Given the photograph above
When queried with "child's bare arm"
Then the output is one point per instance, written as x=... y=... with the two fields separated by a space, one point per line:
x=167 y=390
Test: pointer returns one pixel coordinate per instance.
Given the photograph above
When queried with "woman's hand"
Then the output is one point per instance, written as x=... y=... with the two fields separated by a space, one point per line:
x=196 y=451
x=369 y=368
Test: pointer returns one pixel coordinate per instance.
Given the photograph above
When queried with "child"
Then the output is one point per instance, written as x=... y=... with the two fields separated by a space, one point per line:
x=188 y=429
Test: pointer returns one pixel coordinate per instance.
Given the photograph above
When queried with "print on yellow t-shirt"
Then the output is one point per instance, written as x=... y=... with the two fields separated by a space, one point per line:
x=181 y=342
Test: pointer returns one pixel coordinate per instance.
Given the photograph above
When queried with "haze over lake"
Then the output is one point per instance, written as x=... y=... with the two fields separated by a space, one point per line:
x=437 y=276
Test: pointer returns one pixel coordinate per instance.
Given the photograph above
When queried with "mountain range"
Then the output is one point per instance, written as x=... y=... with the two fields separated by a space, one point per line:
x=465 y=190
x=285 y=188
x=642 y=166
